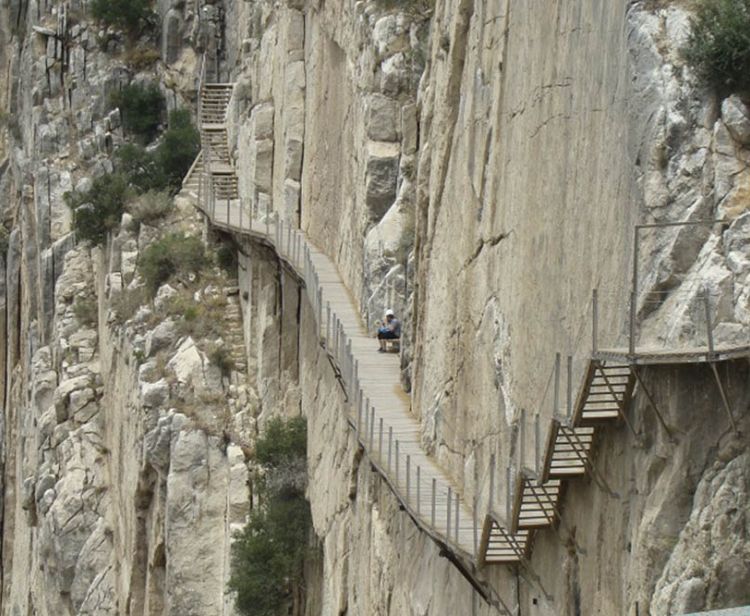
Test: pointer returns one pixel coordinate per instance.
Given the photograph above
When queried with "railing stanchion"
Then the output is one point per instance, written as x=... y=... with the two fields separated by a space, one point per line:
x=522 y=441
x=557 y=384
x=537 y=445
x=709 y=332
x=474 y=527
x=508 y=491
x=408 y=477
x=328 y=326
x=348 y=358
x=595 y=320
x=419 y=489
x=631 y=340
x=458 y=500
x=355 y=374
x=448 y=515
x=367 y=422
x=360 y=402
x=390 y=442
x=320 y=310
x=491 y=501
x=570 y=387
x=397 y=464
x=380 y=441
x=432 y=511
x=372 y=427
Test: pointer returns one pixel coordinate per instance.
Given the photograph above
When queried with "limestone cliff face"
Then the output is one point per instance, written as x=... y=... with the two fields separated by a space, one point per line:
x=477 y=166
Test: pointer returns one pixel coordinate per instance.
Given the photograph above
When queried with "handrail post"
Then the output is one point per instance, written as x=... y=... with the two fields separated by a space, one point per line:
x=328 y=325
x=396 y=463
x=372 y=428
x=492 y=483
x=537 y=444
x=570 y=387
x=359 y=411
x=390 y=443
x=458 y=500
x=448 y=515
x=557 y=384
x=709 y=332
x=380 y=441
x=474 y=526
x=320 y=309
x=522 y=440
x=594 y=320
x=508 y=491
x=432 y=514
x=408 y=477
x=419 y=488
x=631 y=341
x=367 y=421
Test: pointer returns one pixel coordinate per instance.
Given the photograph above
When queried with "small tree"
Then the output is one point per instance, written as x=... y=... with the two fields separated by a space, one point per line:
x=164 y=167
x=140 y=167
x=178 y=149
x=269 y=554
x=129 y=15
x=718 y=46
x=141 y=107
x=98 y=210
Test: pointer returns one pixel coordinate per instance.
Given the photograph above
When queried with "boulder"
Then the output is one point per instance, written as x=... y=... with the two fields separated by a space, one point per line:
x=735 y=115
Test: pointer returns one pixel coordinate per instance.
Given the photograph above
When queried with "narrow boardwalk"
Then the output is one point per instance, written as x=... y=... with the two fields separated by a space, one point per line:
x=379 y=409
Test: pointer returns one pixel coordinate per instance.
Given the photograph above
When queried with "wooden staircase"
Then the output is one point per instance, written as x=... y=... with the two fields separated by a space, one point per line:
x=537 y=498
x=213 y=170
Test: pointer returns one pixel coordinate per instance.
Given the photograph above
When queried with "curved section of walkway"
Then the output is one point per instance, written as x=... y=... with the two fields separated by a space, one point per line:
x=378 y=407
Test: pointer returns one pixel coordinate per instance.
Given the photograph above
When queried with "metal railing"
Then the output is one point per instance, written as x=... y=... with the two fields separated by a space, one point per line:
x=422 y=490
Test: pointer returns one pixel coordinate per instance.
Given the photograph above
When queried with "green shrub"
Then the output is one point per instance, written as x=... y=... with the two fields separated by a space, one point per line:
x=226 y=258
x=150 y=206
x=166 y=166
x=140 y=57
x=269 y=554
x=98 y=211
x=140 y=167
x=179 y=147
x=222 y=359
x=86 y=311
x=126 y=303
x=174 y=255
x=282 y=441
x=128 y=15
x=4 y=240
x=718 y=46
x=141 y=107
x=204 y=319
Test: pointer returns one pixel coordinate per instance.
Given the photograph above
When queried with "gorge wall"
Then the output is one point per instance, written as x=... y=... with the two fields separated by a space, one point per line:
x=477 y=166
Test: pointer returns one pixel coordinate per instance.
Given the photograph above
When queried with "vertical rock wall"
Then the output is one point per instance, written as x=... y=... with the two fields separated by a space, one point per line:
x=477 y=166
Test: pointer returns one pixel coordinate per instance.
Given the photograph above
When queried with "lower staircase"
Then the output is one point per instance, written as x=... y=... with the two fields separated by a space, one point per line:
x=537 y=499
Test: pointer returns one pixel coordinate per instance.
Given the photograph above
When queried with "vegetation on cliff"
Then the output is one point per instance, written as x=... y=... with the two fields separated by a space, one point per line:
x=141 y=107
x=718 y=47
x=142 y=185
x=129 y=15
x=269 y=553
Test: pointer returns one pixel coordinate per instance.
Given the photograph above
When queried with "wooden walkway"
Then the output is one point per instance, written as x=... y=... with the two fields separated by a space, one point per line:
x=379 y=411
